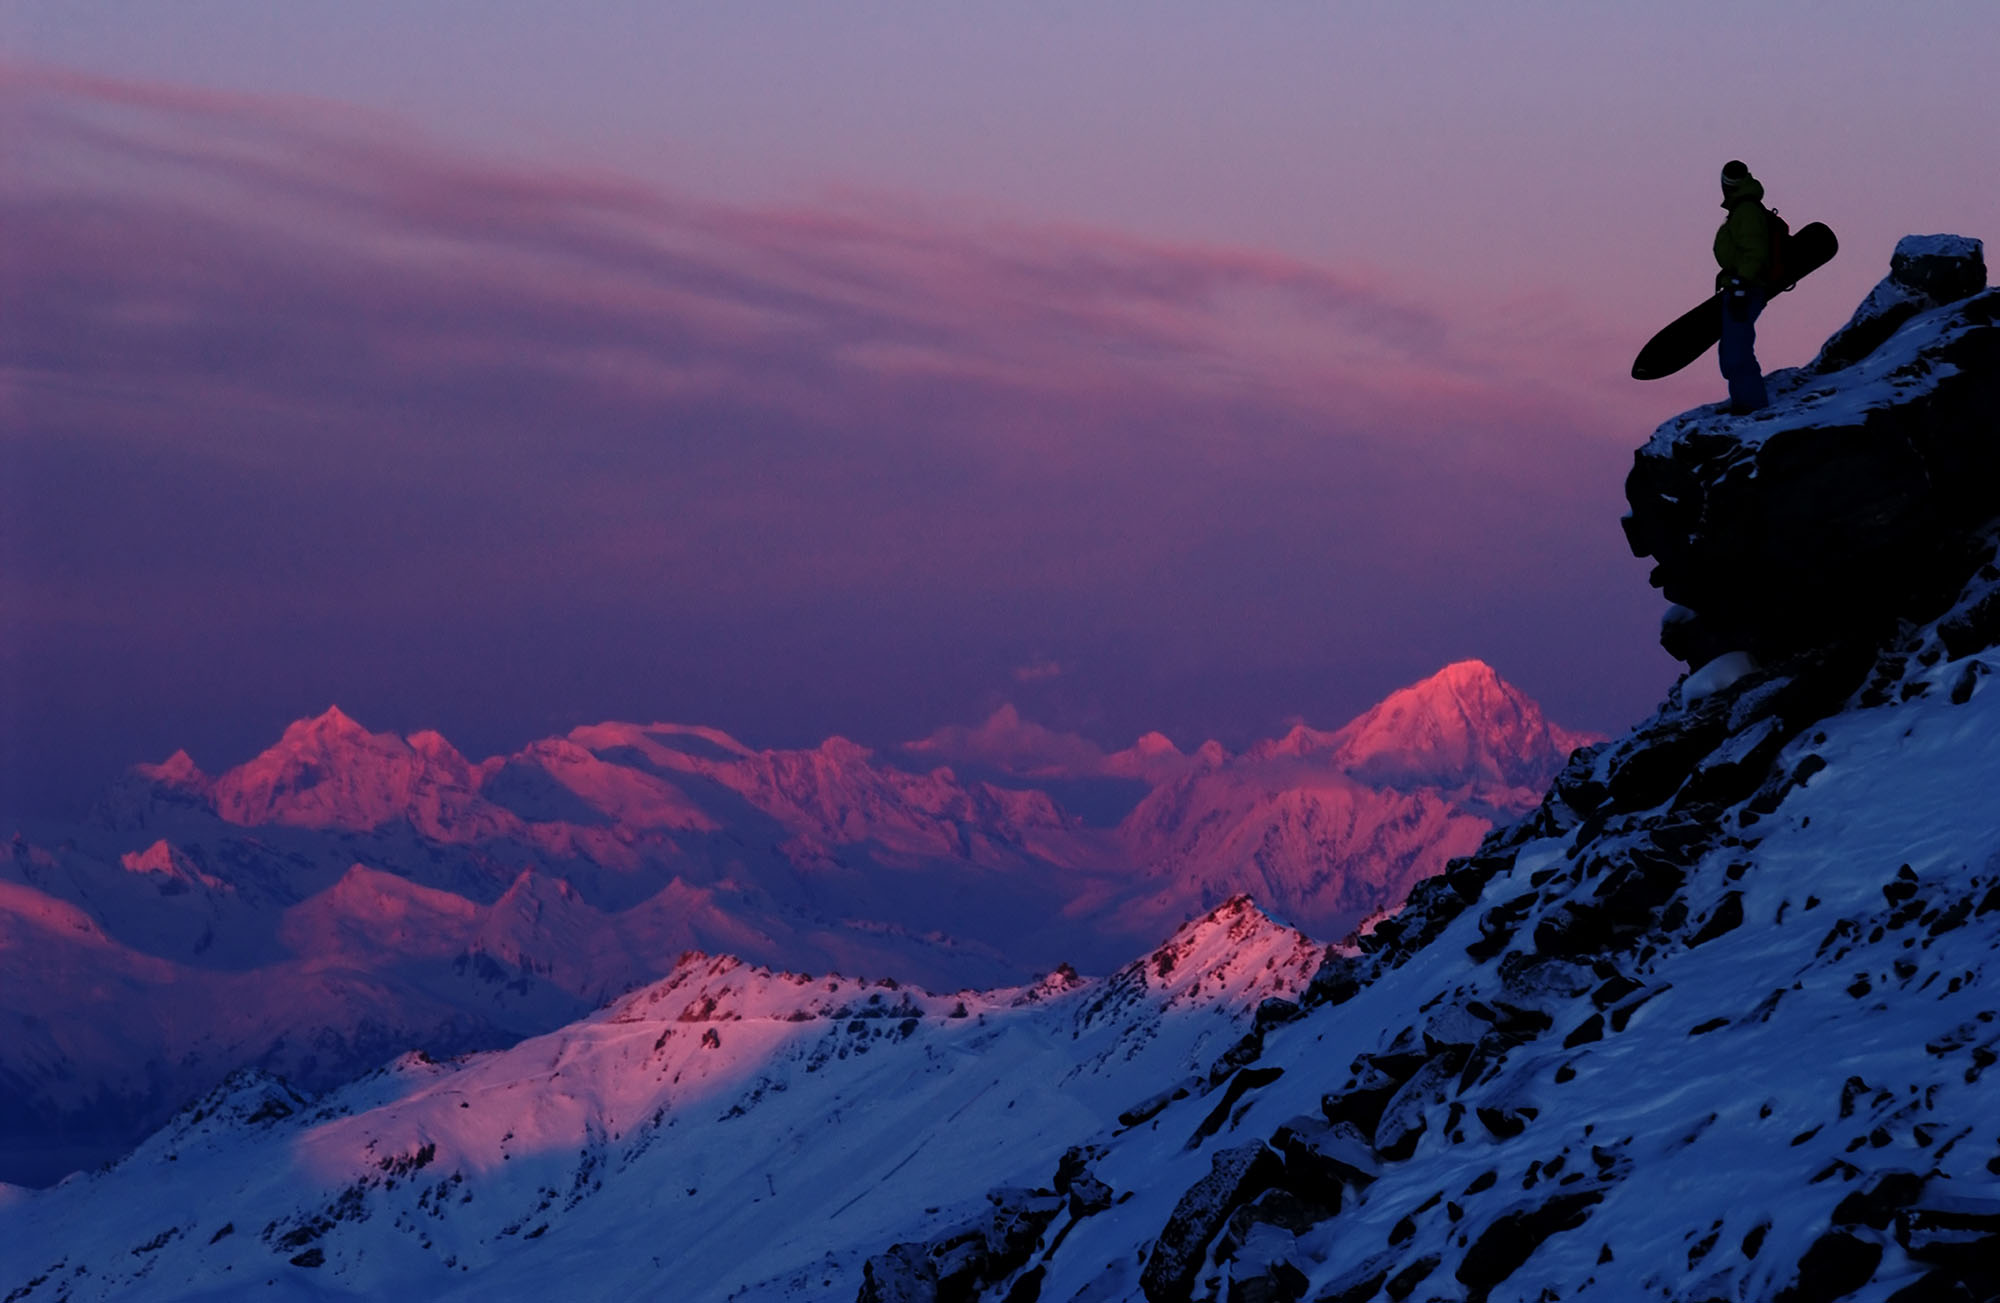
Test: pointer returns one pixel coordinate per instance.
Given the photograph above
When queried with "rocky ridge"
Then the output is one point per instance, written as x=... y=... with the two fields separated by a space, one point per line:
x=721 y=1107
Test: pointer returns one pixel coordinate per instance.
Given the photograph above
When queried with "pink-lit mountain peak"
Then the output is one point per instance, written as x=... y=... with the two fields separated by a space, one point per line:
x=330 y=772
x=177 y=771
x=1464 y=725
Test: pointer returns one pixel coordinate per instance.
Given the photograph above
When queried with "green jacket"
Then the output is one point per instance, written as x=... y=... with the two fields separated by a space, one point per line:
x=1743 y=243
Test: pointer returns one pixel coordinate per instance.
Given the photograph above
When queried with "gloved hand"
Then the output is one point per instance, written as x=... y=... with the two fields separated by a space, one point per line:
x=1736 y=300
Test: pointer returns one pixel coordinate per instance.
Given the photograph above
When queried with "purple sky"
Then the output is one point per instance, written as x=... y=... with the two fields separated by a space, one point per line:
x=858 y=369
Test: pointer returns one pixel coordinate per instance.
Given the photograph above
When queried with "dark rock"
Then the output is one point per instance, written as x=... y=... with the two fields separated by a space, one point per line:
x=1361 y=1101
x=1281 y=1282
x=1403 y=1118
x=1274 y=1012
x=1835 y=1266
x=1511 y=1022
x=1453 y=1029
x=1153 y=1104
x=1948 y=1287
x=1360 y=1283
x=1739 y=766
x=1468 y=876
x=904 y=1274
x=1958 y=1233
x=1337 y=980
x=1876 y=1203
x=1088 y=1196
x=1577 y=784
x=1247 y=1050
x=1590 y=1029
x=1074 y=1163
x=1726 y=918
x=1505 y=1124
x=1279 y=1208
x=1265 y=1268
x=963 y=1263
x=1027 y=1288
x=1322 y=1158
x=1650 y=767
x=1235 y=1177
x=1575 y=928
x=1942 y=268
x=1687 y=637
x=1404 y=1283
x=1973 y=626
x=1246 y=1080
x=1496 y=925
x=1514 y=1235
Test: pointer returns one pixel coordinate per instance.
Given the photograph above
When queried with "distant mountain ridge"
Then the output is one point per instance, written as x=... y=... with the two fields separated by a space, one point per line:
x=721 y=1090
x=417 y=899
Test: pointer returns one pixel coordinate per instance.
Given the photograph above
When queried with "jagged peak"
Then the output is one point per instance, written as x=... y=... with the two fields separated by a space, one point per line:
x=331 y=722
x=1225 y=930
x=1468 y=673
x=162 y=859
x=433 y=744
x=1470 y=682
x=843 y=750
x=177 y=770
x=1463 y=725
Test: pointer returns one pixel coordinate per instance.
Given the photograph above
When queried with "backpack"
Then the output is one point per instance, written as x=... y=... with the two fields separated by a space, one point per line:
x=1780 y=235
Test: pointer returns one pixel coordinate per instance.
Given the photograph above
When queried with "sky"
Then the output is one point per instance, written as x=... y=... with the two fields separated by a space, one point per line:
x=805 y=369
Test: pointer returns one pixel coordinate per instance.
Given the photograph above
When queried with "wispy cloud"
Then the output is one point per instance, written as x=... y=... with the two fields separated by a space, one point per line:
x=305 y=406
x=1038 y=671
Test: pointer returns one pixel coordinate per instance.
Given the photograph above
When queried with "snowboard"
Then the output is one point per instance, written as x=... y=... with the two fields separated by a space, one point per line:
x=1692 y=333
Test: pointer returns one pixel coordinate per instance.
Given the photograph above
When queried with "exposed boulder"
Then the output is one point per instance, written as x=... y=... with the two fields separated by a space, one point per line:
x=1235 y=1177
x=1324 y=1158
x=1512 y=1237
x=1925 y=272
x=960 y=1265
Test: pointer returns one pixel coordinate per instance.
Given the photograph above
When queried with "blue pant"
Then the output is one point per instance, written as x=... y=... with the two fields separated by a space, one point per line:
x=1738 y=354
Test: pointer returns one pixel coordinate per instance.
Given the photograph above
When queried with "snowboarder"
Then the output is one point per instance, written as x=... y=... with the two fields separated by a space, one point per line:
x=1743 y=249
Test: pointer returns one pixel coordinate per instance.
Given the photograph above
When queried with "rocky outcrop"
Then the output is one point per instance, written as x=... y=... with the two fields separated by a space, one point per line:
x=1851 y=501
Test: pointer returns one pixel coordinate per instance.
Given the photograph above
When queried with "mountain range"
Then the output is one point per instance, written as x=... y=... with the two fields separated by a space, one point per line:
x=347 y=895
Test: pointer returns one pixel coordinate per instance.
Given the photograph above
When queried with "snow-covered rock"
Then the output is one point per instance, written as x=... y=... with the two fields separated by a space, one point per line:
x=1851 y=501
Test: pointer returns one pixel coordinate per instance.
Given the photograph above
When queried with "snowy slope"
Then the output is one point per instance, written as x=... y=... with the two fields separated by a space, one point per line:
x=724 y=1127
x=1813 y=1010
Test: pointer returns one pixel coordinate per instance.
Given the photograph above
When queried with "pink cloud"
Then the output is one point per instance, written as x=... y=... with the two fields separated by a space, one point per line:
x=1040 y=671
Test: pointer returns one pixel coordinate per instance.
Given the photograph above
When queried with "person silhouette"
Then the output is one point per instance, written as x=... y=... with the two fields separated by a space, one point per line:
x=1743 y=251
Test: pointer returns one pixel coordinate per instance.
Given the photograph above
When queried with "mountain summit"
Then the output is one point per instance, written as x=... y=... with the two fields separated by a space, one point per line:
x=1464 y=729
